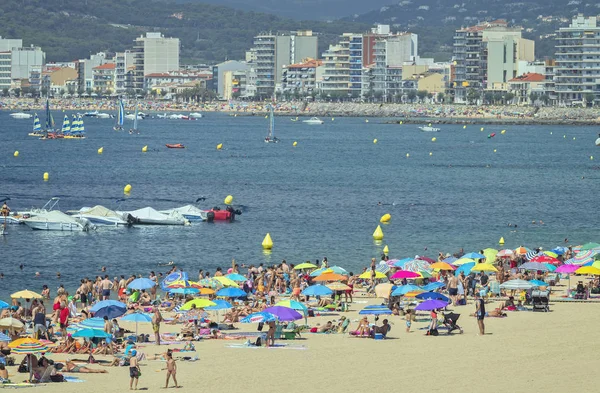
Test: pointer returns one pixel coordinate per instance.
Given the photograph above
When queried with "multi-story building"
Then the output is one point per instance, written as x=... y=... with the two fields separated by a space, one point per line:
x=8 y=44
x=391 y=53
x=153 y=53
x=487 y=54
x=219 y=70
x=123 y=63
x=105 y=78
x=336 y=70
x=524 y=86
x=549 y=86
x=274 y=51
x=5 y=69
x=300 y=78
x=16 y=62
x=85 y=71
x=577 y=69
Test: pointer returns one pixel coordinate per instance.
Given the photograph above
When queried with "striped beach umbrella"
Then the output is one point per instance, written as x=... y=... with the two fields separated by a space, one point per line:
x=416 y=265
x=27 y=346
x=531 y=254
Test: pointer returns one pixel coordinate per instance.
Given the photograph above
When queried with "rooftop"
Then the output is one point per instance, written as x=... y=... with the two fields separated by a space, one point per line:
x=529 y=77
x=107 y=66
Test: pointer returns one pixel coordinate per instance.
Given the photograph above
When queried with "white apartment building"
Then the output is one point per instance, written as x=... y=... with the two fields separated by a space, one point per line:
x=153 y=53
x=391 y=53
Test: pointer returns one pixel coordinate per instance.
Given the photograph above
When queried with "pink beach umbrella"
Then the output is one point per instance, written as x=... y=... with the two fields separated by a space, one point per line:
x=567 y=269
x=400 y=274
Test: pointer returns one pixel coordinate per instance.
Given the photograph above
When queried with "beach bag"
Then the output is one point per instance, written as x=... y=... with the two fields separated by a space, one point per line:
x=261 y=325
x=258 y=342
x=22 y=369
x=57 y=378
x=433 y=332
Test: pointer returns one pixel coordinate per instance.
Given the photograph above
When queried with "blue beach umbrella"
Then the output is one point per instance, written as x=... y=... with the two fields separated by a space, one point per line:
x=550 y=267
x=231 y=292
x=539 y=283
x=105 y=303
x=141 y=283
x=4 y=305
x=110 y=312
x=4 y=337
x=473 y=255
x=317 y=272
x=137 y=317
x=464 y=268
x=236 y=277
x=450 y=260
x=432 y=286
x=404 y=289
x=338 y=270
x=184 y=291
x=92 y=323
x=401 y=262
x=259 y=317
x=90 y=333
x=317 y=290
x=432 y=295
x=219 y=305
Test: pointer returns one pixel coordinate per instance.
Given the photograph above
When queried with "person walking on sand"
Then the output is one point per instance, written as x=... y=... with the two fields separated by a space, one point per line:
x=480 y=313
x=171 y=369
x=453 y=288
x=134 y=371
x=156 y=320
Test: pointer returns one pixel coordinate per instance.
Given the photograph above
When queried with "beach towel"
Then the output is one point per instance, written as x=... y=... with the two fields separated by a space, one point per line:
x=73 y=379
x=20 y=385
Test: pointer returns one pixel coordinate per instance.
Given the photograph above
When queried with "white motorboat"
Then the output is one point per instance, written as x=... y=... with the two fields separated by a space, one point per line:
x=159 y=116
x=48 y=206
x=429 y=129
x=131 y=116
x=189 y=212
x=20 y=115
x=58 y=221
x=313 y=120
x=12 y=218
x=91 y=114
x=103 y=116
x=196 y=115
x=101 y=216
x=149 y=216
x=598 y=140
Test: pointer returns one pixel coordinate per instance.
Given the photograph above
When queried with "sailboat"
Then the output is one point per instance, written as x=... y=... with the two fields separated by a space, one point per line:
x=49 y=118
x=66 y=127
x=135 y=121
x=120 y=117
x=271 y=138
x=37 y=127
x=77 y=128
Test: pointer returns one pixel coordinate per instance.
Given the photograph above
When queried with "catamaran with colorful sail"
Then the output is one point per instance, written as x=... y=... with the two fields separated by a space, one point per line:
x=37 y=127
x=49 y=118
x=77 y=129
x=120 y=117
x=66 y=126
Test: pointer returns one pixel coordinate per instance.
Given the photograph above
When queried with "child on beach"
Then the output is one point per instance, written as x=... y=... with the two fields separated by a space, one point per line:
x=408 y=317
x=171 y=369
x=134 y=370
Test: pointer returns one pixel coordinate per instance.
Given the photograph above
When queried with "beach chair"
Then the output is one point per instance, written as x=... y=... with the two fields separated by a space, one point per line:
x=278 y=332
x=540 y=300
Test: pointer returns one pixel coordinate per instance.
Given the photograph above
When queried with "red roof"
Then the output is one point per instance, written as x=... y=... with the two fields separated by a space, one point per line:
x=529 y=77
x=107 y=66
x=309 y=64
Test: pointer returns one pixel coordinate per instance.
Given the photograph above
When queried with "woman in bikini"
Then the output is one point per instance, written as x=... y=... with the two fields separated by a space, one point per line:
x=71 y=367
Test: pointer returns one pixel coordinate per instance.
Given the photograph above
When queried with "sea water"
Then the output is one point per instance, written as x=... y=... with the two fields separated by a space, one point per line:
x=321 y=198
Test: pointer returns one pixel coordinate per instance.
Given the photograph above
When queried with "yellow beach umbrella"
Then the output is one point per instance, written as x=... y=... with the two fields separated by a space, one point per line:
x=589 y=270
x=490 y=254
x=383 y=290
x=226 y=282
x=484 y=267
x=424 y=274
x=413 y=293
x=551 y=254
x=305 y=265
x=462 y=261
x=338 y=286
x=26 y=294
x=367 y=275
x=441 y=266
x=199 y=303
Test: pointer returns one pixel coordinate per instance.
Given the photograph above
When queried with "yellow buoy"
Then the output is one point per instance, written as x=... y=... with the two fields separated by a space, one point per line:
x=564 y=136
x=378 y=234
x=228 y=199
x=481 y=129
x=375 y=140
x=46 y=176
x=266 y=116
x=501 y=241
x=433 y=139
x=219 y=146
x=144 y=149
x=16 y=153
x=494 y=150
x=550 y=132
x=386 y=217
x=295 y=143
x=430 y=153
x=401 y=122
x=267 y=242
x=101 y=150
x=366 y=120
x=407 y=155
x=503 y=132
x=127 y=189
x=333 y=118
x=591 y=157
x=386 y=250
x=464 y=127
x=573 y=138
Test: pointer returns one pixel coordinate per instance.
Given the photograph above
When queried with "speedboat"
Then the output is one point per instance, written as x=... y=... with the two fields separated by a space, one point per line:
x=48 y=207
x=58 y=221
x=429 y=129
x=91 y=114
x=103 y=116
x=131 y=116
x=196 y=115
x=149 y=216
x=161 y=116
x=101 y=216
x=313 y=120
x=20 y=115
x=190 y=212
x=175 y=146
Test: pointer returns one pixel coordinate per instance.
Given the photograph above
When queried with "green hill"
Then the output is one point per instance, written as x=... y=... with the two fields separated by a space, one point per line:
x=72 y=29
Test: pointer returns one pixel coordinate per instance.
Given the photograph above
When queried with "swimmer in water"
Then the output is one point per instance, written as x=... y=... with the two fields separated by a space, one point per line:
x=57 y=274
x=21 y=266
x=103 y=268
x=37 y=274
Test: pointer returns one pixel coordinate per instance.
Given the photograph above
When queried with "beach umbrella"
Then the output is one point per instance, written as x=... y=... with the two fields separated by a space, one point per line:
x=4 y=305
x=516 y=285
x=506 y=253
x=283 y=313
x=317 y=290
x=28 y=346
x=110 y=312
x=184 y=291
x=534 y=266
x=566 y=269
x=589 y=246
x=432 y=295
x=400 y=263
x=106 y=303
x=584 y=256
x=318 y=272
x=466 y=267
x=175 y=276
x=4 y=337
x=559 y=250
x=367 y=275
x=545 y=259
x=236 y=277
x=26 y=294
x=532 y=254
x=375 y=311
x=11 y=323
x=220 y=304
x=424 y=274
x=338 y=270
x=338 y=286
x=330 y=277
x=141 y=283
x=539 y=283
x=490 y=254
x=210 y=283
x=450 y=260
x=424 y=258
x=226 y=282
x=92 y=323
x=432 y=304
x=484 y=267
x=259 y=317
x=550 y=267
x=137 y=317
x=382 y=267
x=416 y=265
x=305 y=265
x=400 y=274
x=462 y=261
x=177 y=284
x=231 y=292
x=383 y=290
x=588 y=270
x=199 y=303
x=293 y=304
x=521 y=250
x=441 y=266
x=432 y=286
x=404 y=289
x=91 y=333
x=473 y=255
x=551 y=254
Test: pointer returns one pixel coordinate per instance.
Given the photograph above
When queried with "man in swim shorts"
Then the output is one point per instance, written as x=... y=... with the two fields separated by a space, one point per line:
x=453 y=288
x=106 y=286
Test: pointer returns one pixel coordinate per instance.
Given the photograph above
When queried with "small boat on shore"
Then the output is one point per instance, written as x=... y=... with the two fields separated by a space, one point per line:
x=175 y=146
x=429 y=129
x=58 y=221
x=313 y=120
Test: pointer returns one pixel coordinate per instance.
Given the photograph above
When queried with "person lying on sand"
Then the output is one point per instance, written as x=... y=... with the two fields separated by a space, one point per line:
x=71 y=367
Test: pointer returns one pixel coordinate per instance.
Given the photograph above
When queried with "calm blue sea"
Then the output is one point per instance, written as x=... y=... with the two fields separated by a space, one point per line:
x=317 y=199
